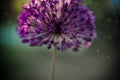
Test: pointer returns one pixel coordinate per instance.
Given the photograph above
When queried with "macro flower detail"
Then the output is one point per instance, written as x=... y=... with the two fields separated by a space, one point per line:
x=60 y=23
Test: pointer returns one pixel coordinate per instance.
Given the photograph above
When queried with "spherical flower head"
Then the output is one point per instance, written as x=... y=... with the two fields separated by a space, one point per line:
x=60 y=23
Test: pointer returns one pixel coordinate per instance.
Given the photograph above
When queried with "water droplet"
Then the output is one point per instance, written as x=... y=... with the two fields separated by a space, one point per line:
x=98 y=50
x=108 y=57
x=109 y=37
x=109 y=19
x=89 y=2
x=6 y=13
x=118 y=42
x=117 y=21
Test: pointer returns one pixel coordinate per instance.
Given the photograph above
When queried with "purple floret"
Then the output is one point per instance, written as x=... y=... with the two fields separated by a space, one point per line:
x=60 y=23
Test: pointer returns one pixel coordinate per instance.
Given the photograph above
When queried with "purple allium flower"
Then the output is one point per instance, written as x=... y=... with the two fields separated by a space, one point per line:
x=61 y=23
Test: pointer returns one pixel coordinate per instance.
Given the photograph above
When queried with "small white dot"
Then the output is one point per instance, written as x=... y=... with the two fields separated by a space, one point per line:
x=98 y=50
x=108 y=57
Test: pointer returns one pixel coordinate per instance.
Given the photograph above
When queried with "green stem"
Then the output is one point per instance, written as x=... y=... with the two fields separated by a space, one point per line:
x=52 y=69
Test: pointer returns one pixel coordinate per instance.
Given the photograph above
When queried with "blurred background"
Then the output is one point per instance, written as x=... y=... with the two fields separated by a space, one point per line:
x=99 y=62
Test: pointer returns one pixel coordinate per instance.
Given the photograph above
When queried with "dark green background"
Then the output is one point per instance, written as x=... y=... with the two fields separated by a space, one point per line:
x=99 y=62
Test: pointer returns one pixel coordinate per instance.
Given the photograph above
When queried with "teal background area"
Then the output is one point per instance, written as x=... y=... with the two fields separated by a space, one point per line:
x=99 y=62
